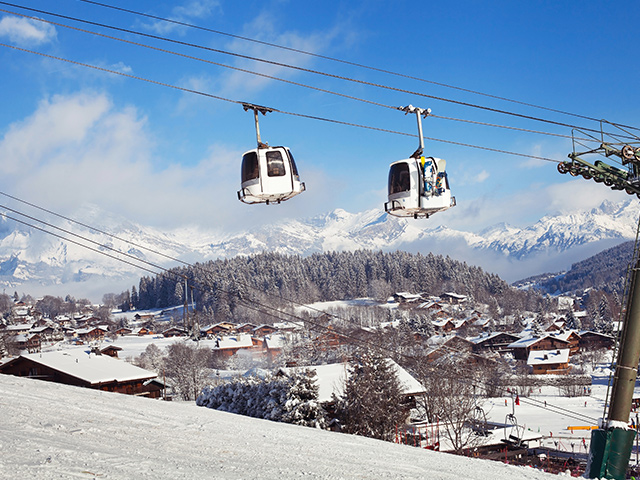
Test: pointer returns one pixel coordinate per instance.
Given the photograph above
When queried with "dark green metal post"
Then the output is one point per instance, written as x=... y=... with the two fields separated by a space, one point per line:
x=611 y=445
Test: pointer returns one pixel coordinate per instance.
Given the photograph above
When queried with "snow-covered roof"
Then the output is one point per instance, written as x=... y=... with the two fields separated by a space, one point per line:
x=89 y=367
x=331 y=379
x=274 y=341
x=548 y=357
x=235 y=341
x=531 y=340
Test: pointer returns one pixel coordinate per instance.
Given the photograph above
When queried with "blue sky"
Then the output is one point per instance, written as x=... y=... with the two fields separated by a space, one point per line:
x=164 y=157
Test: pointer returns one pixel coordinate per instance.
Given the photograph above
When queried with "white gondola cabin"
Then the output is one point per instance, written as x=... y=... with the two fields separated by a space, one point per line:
x=418 y=188
x=269 y=175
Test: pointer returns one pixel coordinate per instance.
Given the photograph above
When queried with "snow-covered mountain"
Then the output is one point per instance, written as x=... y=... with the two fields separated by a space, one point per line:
x=29 y=256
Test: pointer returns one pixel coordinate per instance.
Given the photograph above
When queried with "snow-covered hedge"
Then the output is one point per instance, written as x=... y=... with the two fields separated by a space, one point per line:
x=289 y=399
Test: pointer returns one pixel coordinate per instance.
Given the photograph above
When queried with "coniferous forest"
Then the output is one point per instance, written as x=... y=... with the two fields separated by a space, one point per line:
x=228 y=289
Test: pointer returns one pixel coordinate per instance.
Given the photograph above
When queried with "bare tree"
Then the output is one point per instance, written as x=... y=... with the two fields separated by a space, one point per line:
x=452 y=399
x=187 y=369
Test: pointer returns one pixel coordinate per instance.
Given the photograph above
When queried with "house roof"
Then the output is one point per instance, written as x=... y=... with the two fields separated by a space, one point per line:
x=331 y=379
x=548 y=357
x=234 y=341
x=88 y=367
x=528 y=341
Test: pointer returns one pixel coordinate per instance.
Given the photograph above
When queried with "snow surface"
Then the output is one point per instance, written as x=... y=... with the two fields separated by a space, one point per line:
x=57 y=431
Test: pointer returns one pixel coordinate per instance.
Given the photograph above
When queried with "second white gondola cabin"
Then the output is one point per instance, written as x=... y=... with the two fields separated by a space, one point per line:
x=269 y=175
x=418 y=187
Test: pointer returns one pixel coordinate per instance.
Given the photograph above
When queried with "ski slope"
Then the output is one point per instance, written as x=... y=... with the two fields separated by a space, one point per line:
x=53 y=431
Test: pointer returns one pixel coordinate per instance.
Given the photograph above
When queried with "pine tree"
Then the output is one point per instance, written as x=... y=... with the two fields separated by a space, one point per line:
x=371 y=405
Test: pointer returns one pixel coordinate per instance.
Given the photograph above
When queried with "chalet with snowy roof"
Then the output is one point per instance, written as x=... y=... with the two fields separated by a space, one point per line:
x=222 y=328
x=493 y=342
x=81 y=368
x=31 y=342
x=449 y=344
x=573 y=339
x=453 y=298
x=123 y=331
x=19 y=329
x=404 y=298
x=144 y=316
x=174 y=332
x=47 y=333
x=543 y=362
x=331 y=380
x=111 y=350
x=91 y=334
x=228 y=346
x=595 y=340
x=245 y=328
x=142 y=331
x=556 y=326
x=263 y=330
x=444 y=325
x=523 y=347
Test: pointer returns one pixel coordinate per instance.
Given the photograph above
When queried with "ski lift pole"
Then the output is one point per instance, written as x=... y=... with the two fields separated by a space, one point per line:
x=420 y=112
x=610 y=449
x=257 y=109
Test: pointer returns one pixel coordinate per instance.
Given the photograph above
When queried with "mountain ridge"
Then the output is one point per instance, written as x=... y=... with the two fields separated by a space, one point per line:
x=31 y=257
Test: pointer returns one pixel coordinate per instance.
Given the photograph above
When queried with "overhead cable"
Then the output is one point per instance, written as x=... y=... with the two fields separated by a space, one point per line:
x=311 y=117
x=291 y=82
x=307 y=70
x=346 y=62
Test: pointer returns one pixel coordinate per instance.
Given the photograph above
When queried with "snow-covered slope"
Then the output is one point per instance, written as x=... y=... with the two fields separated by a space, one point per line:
x=57 y=431
x=29 y=256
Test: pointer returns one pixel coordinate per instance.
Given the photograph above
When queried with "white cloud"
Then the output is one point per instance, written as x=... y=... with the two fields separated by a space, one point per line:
x=195 y=9
x=81 y=149
x=26 y=32
x=526 y=206
x=266 y=28
x=482 y=176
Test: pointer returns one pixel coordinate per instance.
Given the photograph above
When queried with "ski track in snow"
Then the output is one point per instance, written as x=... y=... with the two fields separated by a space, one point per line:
x=52 y=431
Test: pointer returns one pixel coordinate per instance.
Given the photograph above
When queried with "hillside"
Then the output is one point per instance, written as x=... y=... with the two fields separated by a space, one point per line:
x=42 y=264
x=604 y=271
x=56 y=431
x=222 y=286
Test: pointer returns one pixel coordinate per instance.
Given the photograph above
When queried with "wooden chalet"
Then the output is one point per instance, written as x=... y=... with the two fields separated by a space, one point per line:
x=543 y=362
x=245 y=328
x=594 y=341
x=123 y=331
x=91 y=334
x=573 y=339
x=174 y=332
x=111 y=350
x=453 y=298
x=47 y=332
x=83 y=369
x=142 y=331
x=263 y=330
x=230 y=345
x=31 y=342
x=523 y=347
x=222 y=328
x=494 y=342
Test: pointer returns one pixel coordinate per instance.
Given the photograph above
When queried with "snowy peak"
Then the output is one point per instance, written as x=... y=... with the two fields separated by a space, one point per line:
x=31 y=256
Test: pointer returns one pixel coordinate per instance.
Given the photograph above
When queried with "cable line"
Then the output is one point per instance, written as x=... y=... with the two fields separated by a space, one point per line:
x=169 y=257
x=312 y=117
x=307 y=70
x=271 y=77
x=346 y=62
x=259 y=307
x=78 y=243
